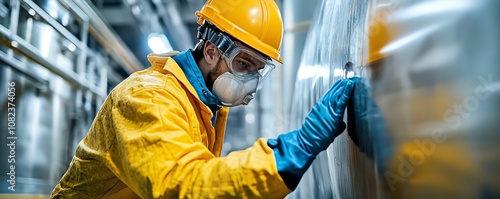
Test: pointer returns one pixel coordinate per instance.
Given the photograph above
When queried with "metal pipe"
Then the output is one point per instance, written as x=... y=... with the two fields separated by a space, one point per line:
x=21 y=67
x=52 y=22
x=32 y=53
x=73 y=8
x=82 y=57
x=103 y=73
x=109 y=39
x=14 y=16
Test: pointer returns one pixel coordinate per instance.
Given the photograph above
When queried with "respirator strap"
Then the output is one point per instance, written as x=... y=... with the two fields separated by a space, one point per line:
x=223 y=42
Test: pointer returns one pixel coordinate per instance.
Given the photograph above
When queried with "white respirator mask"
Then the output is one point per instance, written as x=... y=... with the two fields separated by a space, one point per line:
x=247 y=69
x=232 y=91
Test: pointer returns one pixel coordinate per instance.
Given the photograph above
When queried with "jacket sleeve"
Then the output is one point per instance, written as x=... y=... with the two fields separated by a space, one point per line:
x=154 y=155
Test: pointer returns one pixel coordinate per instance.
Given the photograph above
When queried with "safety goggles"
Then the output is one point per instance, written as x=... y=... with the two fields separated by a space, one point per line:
x=246 y=64
x=243 y=63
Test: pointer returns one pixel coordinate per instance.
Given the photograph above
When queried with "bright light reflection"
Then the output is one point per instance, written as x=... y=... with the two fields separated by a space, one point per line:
x=71 y=47
x=306 y=72
x=408 y=39
x=338 y=72
x=250 y=118
x=159 y=43
x=437 y=7
x=32 y=12
x=350 y=74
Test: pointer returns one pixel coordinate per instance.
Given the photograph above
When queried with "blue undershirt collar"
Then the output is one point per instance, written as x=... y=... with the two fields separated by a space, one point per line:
x=188 y=65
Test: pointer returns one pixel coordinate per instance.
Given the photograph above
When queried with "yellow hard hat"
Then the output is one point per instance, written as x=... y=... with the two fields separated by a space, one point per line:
x=257 y=23
x=379 y=35
x=378 y=39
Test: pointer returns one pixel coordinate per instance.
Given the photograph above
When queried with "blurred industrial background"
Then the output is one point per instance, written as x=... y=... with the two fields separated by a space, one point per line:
x=428 y=127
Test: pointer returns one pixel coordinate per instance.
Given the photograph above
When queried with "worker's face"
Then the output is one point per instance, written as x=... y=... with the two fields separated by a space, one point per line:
x=234 y=76
x=215 y=65
x=245 y=64
x=218 y=69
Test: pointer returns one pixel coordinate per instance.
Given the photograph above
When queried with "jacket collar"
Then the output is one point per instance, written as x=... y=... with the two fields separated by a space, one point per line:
x=164 y=62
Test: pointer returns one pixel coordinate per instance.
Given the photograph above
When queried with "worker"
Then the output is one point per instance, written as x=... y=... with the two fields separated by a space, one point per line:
x=159 y=133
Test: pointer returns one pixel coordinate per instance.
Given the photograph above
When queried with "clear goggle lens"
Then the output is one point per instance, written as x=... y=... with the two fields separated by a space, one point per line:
x=246 y=64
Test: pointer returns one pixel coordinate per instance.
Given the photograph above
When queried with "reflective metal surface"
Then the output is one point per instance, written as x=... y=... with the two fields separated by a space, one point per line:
x=438 y=89
x=426 y=123
x=336 y=38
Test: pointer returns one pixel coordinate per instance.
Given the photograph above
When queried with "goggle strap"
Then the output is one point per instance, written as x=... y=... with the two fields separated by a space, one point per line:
x=209 y=32
x=205 y=31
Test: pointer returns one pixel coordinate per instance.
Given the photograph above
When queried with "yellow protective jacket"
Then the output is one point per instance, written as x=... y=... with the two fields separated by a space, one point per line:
x=153 y=138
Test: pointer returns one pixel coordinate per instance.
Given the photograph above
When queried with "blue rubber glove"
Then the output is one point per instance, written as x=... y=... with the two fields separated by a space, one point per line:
x=325 y=120
x=295 y=151
x=367 y=127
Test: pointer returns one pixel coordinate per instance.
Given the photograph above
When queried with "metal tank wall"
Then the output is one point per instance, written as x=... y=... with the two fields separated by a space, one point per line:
x=425 y=123
x=334 y=41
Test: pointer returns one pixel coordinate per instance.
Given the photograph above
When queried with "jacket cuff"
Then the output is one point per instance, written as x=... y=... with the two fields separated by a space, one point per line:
x=291 y=160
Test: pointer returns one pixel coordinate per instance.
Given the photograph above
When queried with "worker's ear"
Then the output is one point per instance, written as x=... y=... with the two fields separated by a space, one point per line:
x=211 y=53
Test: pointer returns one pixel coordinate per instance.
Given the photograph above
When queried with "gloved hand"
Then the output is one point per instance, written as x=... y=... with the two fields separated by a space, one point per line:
x=294 y=151
x=325 y=120
x=367 y=127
